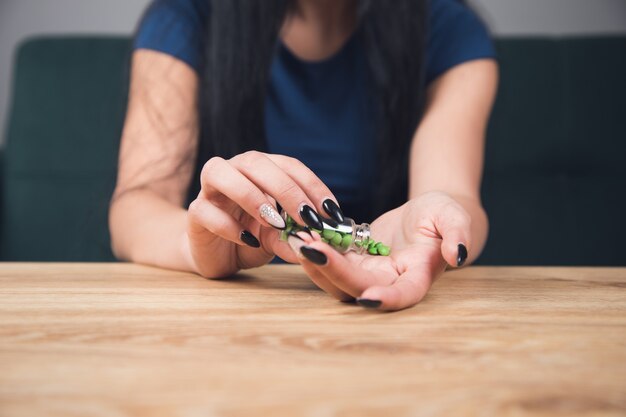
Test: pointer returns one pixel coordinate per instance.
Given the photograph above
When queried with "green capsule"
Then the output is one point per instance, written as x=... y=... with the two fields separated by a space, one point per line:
x=337 y=238
x=384 y=250
x=325 y=240
x=328 y=234
x=346 y=241
x=372 y=250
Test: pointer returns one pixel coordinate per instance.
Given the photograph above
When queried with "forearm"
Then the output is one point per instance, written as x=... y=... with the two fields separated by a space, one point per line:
x=448 y=149
x=147 y=229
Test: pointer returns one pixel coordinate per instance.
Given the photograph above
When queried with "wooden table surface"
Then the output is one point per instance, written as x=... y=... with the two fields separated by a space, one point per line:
x=130 y=340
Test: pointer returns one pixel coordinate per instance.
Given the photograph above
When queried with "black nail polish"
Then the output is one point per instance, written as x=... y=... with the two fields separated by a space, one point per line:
x=462 y=256
x=279 y=208
x=367 y=303
x=249 y=239
x=332 y=209
x=314 y=255
x=311 y=218
x=331 y=222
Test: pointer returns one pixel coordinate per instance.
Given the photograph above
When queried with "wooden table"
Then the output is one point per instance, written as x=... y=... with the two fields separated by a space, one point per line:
x=121 y=339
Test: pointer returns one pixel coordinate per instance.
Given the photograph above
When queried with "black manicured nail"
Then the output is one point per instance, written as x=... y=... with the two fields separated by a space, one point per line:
x=311 y=218
x=367 y=303
x=314 y=255
x=331 y=222
x=462 y=256
x=332 y=209
x=279 y=208
x=249 y=239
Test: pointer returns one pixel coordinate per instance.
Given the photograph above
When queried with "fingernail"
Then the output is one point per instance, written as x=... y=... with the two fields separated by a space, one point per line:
x=332 y=209
x=295 y=242
x=249 y=239
x=313 y=255
x=330 y=222
x=367 y=303
x=310 y=217
x=270 y=215
x=279 y=208
x=462 y=256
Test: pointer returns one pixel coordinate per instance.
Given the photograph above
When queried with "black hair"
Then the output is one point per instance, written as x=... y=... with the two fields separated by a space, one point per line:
x=241 y=39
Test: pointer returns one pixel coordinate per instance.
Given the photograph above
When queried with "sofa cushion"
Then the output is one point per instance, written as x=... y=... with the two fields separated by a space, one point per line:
x=62 y=144
x=555 y=166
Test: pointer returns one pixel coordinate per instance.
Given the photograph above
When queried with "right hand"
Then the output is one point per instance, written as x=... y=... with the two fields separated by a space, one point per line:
x=239 y=195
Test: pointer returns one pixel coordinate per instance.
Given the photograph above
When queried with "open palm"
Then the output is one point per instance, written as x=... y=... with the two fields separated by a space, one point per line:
x=425 y=235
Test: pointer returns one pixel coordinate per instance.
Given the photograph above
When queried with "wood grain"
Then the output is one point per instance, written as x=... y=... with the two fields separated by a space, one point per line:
x=130 y=340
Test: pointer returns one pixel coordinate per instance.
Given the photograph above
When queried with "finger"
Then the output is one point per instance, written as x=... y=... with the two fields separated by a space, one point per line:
x=454 y=226
x=268 y=176
x=318 y=192
x=220 y=177
x=408 y=289
x=341 y=270
x=204 y=214
x=296 y=243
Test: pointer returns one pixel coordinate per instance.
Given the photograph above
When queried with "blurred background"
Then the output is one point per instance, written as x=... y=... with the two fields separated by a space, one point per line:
x=20 y=19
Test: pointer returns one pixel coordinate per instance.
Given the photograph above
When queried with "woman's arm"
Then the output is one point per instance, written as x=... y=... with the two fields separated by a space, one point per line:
x=147 y=220
x=443 y=210
x=231 y=223
x=448 y=147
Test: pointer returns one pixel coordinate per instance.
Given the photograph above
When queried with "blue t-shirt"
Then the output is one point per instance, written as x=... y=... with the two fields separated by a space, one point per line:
x=318 y=112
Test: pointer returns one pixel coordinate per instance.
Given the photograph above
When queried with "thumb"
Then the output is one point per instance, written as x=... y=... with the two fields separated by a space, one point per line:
x=454 y=226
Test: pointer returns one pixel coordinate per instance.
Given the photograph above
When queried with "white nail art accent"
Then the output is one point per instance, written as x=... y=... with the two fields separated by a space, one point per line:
x=270 y=215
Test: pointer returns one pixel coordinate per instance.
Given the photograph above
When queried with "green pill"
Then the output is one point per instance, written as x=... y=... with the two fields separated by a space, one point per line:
x=346 y=241
x=372 y=250
x=325 y=240
x=328 y=234
x=337 y=239
x=383 y=250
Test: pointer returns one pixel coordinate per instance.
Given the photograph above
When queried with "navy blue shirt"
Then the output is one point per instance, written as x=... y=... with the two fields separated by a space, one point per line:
x=318 y=112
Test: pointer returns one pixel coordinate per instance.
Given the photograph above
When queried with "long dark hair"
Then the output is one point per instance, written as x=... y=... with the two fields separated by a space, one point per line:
x=242 y=37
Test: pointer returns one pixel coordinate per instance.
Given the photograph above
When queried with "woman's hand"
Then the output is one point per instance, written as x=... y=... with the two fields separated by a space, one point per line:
x=232 y=223
x=426 y=234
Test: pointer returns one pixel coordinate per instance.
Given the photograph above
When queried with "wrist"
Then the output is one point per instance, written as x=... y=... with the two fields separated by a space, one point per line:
x=184 y=248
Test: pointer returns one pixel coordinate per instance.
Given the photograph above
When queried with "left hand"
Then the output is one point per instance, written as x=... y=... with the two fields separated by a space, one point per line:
x=426 y=234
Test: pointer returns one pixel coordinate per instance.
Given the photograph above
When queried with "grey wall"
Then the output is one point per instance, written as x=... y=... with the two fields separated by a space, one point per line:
x=553 y=17
x=22 y=18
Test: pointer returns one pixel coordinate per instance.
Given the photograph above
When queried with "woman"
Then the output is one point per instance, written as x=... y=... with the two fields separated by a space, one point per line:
x=237 y=105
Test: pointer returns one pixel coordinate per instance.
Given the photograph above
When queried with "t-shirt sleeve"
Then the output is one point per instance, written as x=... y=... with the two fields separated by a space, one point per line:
x=456 y=35
x=174 y=27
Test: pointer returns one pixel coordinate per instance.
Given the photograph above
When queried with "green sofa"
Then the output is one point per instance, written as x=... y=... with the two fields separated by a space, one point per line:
x=555 y=171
